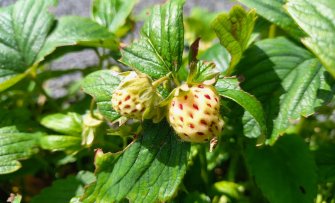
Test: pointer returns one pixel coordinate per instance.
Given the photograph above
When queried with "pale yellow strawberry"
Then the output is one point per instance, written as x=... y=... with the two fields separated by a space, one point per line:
x=194 y=113
x=136 y=97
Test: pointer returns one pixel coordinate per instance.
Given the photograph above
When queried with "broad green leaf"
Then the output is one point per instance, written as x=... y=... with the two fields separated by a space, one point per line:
x=100 y=85
x=23 y=30
x=14 y=146
x=75 y=30
x=325 y=161
x=285 y=172
x=230 y=89
x=316 y=18
x=218 y=55
x=69 y=124
x=150 y=170
x=234 y=30
x=61 y=142
x=273 y=11
x=112 y=14
x=160 y=48
x=62 y=191
x=288 y=81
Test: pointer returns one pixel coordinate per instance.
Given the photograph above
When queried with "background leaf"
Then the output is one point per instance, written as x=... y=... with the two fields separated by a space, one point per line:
x=229 y=88
x=63 y=190
x=273 y=11
x=75 y=30
x=160 y=48
x=234 y=30
x=316 y=18
x=218 y=55
x=286 y=168
x=23 y=30
x=61 y=142
x=70 y=123
x=288 y=81
x=14 y=146
x=100 y=85
x=325 y=160
x=112 y=14
x=150 y=170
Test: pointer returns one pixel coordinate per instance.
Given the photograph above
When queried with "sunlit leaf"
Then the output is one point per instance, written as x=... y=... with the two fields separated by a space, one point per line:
x=316 y=18
x=274 y=11
x=112 y=13
x=150 y=170
x=160 y=48
x=288 y=81
x=234 y=30
x=23 y=30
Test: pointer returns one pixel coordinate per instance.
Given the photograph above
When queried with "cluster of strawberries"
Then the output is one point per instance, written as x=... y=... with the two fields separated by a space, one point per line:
x=193 y=109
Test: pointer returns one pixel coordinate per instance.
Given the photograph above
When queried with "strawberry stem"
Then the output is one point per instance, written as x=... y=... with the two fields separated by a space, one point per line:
x=161 y=80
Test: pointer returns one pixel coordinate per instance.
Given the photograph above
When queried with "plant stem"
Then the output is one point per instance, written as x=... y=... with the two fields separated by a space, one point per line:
x=101 y=58
x=233 y=167
x=204 y=172
x=92 y=105
x=272 y=31
x=175 y=80
x=156 y=83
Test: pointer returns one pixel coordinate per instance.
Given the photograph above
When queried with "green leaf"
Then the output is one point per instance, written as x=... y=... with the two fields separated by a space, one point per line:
x=229 y=88
x=316 y=18
x=14 y=146
x=230 y=189
x=160 y=48
x=112 y=14
x=234 y=30
x=287 y=167
x=23 y=30
x=325 y=161
x=196 y=197
x=273 y=11
x=218 y=55
x=69 y=124
x=63 y=190
x=75 y=30
x=150 y=170
x=101 y=85
x=203 y=71
x=287 y=80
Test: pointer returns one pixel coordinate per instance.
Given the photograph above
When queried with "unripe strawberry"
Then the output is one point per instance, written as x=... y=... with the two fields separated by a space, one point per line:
x=194 y=113
x=136 y=97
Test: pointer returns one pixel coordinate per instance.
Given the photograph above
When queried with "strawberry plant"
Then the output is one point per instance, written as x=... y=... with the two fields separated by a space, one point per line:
x=235 y=106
